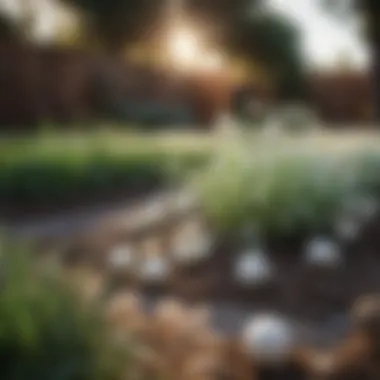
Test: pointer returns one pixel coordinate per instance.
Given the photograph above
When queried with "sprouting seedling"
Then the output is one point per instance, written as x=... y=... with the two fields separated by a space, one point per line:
x=253 y=268
x=269 y=338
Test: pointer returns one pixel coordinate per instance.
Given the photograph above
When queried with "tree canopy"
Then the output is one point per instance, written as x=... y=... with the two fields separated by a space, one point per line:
x=8 y=29
x=268 y=38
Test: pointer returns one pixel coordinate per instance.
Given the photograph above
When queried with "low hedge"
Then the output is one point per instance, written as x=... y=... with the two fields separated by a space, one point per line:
x=34 y=172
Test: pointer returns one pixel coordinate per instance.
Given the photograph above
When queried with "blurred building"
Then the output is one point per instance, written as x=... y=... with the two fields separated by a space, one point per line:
x=343 y=96
x=67 y=85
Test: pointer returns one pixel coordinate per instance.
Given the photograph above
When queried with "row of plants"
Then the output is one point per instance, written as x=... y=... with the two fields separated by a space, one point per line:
x=42 y=170
x=290 y=186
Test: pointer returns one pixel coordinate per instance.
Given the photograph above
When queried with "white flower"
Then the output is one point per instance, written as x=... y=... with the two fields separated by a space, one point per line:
x=191 y=248
x=321 y=251
x=122 y=258
x=269 y=338
x=253 y=268
x=155 y=270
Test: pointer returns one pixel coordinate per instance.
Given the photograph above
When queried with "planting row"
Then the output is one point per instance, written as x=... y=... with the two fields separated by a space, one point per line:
x=51 y=171
x=292 y=187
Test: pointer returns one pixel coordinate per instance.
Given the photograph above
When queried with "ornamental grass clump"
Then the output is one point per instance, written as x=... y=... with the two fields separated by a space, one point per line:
x=48 y=333
x=291 y=187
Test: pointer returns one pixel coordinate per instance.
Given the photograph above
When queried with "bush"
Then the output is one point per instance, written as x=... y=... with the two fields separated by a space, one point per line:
x=45 y=170
x=288 y=188
x=46 y=332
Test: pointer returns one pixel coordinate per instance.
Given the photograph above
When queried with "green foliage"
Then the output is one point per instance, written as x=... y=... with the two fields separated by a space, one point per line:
x=9 y=30
x=118 y=22
x=274 y=41
x=49 y=170
x=46 y=333
x=287 y=188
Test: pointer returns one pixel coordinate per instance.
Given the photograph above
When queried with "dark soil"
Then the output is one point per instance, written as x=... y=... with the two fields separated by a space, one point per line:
x=318 y=299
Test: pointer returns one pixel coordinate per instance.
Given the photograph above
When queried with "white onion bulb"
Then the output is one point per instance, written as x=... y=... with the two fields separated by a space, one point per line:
x=253 y=268
x=191 y=248
x=323 y=252
x=269 y=338
x=122 y=258
x=155 y=270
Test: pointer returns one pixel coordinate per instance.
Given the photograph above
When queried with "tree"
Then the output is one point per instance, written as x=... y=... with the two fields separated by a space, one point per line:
x=267 y=37
x=116 y=23
x=8 y=29
x=119 y=22
x=273 y=41
x=253 y=32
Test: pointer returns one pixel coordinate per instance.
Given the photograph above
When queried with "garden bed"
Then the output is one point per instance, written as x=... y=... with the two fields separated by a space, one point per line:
x=291 y=190
x=318 y=299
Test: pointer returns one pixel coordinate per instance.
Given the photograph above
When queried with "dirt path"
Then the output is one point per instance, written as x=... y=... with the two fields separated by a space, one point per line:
x=67 y=222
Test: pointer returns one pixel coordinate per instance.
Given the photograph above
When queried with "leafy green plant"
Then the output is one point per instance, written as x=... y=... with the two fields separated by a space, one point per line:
x=286 y=188
x=47 y=333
